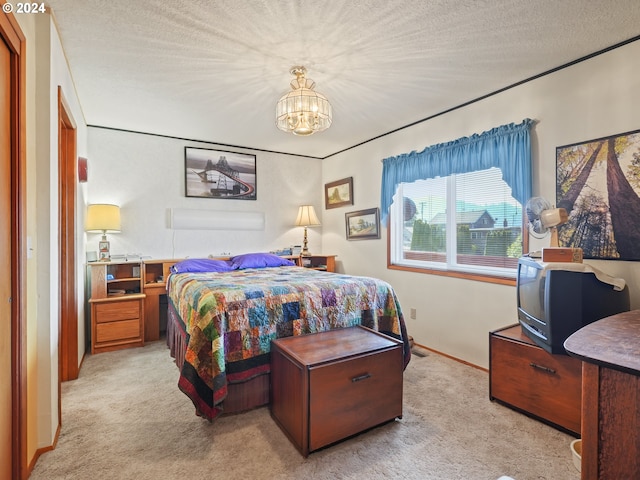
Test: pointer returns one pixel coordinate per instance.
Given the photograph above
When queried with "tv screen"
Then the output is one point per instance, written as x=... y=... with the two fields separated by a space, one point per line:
x=556 y=299
x=531 y=291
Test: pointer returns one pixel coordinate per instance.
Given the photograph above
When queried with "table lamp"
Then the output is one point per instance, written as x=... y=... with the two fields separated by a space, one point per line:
x=103 y=218
x=306 y=218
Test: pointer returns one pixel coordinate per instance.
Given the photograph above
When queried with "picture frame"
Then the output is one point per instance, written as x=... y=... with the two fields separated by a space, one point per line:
x=597 y=183
x=363 y=224
x=219 y=174
x=338 y=193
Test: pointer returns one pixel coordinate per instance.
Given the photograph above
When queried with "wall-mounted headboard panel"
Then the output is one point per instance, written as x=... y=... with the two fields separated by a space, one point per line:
x=186 y=219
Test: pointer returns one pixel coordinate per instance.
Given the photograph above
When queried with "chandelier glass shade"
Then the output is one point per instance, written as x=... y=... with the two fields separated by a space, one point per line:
x=303 y=111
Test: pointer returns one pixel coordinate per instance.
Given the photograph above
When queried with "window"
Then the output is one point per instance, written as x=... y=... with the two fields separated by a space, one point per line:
x=457 y=206
x=467 y=222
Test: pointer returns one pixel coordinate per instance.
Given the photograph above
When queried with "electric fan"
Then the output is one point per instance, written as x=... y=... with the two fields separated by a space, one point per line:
x=544 y=218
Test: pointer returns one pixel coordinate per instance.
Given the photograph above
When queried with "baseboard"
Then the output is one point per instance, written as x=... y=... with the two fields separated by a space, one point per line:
x=459 y=360
x=40 y=451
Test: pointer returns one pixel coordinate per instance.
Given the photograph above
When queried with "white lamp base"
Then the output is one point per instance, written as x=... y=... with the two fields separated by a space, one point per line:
x=103 y=247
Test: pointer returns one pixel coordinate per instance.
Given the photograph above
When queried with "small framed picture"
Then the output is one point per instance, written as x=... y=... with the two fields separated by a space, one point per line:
x=338 y=193
x=363 y=224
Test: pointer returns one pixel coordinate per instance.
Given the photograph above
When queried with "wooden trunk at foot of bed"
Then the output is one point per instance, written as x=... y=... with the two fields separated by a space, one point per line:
x=240 y=396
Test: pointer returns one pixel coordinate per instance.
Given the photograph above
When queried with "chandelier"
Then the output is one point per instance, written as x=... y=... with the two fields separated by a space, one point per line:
x=303 y=111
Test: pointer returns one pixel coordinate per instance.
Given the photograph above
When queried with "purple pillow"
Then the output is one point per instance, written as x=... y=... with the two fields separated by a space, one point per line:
x=201 y=265
x=259 y=260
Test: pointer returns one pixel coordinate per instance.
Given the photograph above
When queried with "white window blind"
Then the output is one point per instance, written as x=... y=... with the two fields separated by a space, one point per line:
x=467 y=222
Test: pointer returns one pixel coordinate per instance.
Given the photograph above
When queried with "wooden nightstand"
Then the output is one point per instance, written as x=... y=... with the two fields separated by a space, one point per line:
x=325 y=263
x=117 y=306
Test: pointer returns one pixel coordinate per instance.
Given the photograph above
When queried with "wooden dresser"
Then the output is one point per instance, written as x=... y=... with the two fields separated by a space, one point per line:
x=328 y=386
x=529 y=379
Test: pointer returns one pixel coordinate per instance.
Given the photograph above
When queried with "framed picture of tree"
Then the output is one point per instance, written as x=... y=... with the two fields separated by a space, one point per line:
x=598 y=183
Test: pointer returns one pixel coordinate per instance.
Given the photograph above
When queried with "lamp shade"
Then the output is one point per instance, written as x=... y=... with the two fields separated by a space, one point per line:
x=307 y=217
x=103 y=218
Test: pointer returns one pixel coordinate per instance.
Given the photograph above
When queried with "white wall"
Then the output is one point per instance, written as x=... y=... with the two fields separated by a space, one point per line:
x=144 y=174
x=44 y=76
x=592 y=99
x=46 y=69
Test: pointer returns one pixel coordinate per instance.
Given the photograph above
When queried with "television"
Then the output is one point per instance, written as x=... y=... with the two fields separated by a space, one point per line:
x=557 y=299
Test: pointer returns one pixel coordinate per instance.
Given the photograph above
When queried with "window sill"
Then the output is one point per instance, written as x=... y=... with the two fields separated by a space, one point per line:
x=463 y=275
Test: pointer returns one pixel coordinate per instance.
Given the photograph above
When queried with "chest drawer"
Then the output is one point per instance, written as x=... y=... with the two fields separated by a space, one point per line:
x=349 y=396
x=530 y=379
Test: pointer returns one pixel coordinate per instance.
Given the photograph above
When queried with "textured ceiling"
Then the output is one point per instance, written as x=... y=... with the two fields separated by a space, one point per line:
x=214 y=70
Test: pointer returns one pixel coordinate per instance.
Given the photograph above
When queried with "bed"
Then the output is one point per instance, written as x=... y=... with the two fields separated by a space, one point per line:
x=221 y=323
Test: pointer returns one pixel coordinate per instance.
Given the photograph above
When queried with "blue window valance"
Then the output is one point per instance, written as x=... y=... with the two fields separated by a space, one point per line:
x=507 y=147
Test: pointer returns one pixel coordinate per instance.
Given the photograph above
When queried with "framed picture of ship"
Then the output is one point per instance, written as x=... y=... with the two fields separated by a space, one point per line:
x=219 y=174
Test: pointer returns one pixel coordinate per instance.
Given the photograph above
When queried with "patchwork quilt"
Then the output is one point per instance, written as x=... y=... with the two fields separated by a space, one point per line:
x=229 y=320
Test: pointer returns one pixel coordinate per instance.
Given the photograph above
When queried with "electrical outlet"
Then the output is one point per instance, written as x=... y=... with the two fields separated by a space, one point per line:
x=412 y=314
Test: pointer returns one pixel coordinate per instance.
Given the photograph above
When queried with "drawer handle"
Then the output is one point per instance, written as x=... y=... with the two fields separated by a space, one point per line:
x=544 y=369
x=361 y=377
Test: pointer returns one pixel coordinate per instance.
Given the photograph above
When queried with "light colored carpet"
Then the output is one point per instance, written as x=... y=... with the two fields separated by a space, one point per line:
x=124 y=418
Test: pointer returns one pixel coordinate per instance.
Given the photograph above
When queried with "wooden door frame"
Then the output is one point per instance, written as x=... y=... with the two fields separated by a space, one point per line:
x=14 y=38
x=67 y=291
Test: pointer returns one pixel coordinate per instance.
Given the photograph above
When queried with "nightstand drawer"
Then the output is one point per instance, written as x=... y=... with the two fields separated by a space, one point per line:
x=117 y=323
x=124 y=310
x=122 y=330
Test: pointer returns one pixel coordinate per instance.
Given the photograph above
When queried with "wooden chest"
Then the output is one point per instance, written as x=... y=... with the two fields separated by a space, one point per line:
x=328 y=386
x=531 y=380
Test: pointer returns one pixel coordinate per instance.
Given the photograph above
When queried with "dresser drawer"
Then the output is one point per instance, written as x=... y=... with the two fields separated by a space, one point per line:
x=349 y=396
x=124 y=310
x=541 y=384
